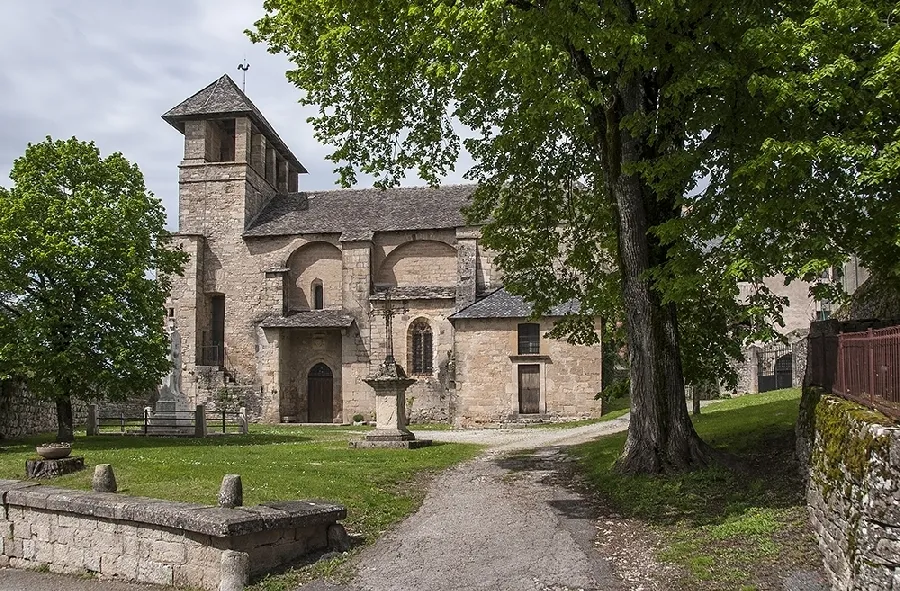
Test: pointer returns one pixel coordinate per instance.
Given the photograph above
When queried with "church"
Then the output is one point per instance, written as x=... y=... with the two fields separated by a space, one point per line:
x=292 y=298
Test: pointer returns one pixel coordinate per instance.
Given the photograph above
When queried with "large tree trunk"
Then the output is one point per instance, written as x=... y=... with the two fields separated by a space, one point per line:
x=661 y=437
x=64 y=420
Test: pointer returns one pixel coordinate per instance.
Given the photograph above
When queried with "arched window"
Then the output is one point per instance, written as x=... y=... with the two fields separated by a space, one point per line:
x=421 y=348
x=318 y=296
x=529 y=338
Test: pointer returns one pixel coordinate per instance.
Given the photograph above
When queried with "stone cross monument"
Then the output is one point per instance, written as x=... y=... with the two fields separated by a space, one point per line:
x=171 y=407
x=390 y=384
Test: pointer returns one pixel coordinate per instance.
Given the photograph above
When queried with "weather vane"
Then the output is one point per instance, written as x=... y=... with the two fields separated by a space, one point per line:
x=243 y=67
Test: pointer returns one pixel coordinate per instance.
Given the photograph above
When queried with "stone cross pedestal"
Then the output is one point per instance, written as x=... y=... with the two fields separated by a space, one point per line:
x=390 y=384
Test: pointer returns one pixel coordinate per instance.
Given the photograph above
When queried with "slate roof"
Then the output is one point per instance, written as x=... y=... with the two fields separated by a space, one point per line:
x=502 y=304
x=309 y=319
x=223 y=99
x=358 y=211
x=416 y=292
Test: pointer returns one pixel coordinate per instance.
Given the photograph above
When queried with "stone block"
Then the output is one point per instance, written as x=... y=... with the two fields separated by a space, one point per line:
x=149 y=571
x=168 y=552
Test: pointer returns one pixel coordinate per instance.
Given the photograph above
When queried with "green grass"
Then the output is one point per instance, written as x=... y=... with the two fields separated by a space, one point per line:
x=275 y=463
x=727 y=528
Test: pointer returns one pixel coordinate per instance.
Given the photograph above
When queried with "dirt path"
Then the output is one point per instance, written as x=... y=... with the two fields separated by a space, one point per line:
x=502 y=522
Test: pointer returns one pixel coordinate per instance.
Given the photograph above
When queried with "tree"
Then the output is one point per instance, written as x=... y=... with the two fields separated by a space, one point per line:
x=80 y=315
x=644 y=156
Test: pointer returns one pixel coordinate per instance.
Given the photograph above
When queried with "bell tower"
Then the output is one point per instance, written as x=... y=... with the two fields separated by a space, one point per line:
x=234 y=162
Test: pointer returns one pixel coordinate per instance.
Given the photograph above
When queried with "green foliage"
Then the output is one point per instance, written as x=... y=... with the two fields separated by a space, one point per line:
x=614 y=391
x=766 y=138
x=80 y=316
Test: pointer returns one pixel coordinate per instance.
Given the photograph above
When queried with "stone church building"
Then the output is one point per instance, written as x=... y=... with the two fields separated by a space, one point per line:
x=282 y=305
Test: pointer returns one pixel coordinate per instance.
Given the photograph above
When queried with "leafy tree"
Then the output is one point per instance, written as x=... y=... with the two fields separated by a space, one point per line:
x=80 y=315
x=644 y=156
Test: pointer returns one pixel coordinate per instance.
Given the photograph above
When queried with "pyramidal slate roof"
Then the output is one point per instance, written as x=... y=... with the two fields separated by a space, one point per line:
x=358 y=212
x=223 y=100
x=502 y=304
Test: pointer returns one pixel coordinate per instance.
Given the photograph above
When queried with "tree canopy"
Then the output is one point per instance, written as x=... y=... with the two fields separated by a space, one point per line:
x=644 y=156
x=80 y=314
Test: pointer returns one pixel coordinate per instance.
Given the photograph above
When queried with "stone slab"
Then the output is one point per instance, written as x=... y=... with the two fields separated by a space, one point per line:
x=410 y=444
x=53 y=468
x=202 y=519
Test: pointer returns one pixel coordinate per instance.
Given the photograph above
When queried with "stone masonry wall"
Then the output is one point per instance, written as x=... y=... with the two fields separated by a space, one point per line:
x=487 y=374
x=853 y=493
x=22 y=414
x=154 y=541
x=427 y=400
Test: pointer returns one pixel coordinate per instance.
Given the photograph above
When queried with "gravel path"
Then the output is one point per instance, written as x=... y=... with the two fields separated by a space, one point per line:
x=499 y=522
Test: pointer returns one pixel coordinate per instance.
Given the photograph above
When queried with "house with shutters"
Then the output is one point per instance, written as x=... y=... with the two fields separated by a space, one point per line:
x=283 y=304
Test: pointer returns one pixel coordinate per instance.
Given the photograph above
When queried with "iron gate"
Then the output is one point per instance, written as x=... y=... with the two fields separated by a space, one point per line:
x=775 y=368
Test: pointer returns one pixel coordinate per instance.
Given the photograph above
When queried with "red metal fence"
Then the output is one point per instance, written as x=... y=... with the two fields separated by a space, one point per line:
x=860 y=366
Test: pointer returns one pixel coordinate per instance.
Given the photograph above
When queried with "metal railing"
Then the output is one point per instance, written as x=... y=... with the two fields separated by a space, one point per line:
x=860 y=366
x=196 y=423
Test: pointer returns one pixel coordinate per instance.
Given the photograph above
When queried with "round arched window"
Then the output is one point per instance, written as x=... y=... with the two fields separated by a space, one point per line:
x=421 y=351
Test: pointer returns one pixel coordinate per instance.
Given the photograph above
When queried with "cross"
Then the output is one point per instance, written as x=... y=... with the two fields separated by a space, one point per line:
x=388 y=310
x=243 y=67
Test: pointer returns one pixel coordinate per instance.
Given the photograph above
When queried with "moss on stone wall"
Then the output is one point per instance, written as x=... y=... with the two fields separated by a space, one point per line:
x=847 y=444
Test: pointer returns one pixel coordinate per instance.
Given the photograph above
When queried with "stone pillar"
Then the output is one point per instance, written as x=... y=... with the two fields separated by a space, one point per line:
x=243 y=132
x=194 y=140
x=189 y=307
x=271 y=165
x=390 y=385
x=293 y=180
x=467 y=253
x=275 y=291
x=235 y=571
x=753 y=369
x=258 y=149
x=93 y=420
x=281 y=174
x=268 y=361
x=356 y=253
x=200 y=421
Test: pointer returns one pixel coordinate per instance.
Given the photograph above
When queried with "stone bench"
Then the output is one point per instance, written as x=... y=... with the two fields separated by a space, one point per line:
x=155 y=541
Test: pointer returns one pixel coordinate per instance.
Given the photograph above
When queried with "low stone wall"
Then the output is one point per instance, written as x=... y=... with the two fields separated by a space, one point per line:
x=23 y=414
x=154 y=541
x=853 y=491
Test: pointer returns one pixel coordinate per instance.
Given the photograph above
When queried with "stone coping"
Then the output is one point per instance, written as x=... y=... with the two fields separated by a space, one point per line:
x=202 y=519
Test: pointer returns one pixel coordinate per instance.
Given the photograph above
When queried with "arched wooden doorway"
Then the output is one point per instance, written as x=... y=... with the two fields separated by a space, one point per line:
x=320 y=394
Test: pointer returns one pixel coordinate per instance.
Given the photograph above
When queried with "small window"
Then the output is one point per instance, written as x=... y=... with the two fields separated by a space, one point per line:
x=318 y=297
x=529 y=339
x=421 y=348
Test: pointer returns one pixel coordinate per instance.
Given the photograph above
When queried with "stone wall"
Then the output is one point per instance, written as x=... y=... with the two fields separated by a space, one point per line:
x=853 y=491
x=487 y=374
x=154 y=541
x=23 y=414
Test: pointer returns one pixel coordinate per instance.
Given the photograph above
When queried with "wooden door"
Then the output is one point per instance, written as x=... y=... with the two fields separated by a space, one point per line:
x=529 y=389
x=320 y=394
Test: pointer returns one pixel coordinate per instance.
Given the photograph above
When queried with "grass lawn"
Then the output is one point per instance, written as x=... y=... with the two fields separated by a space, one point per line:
x=728 y=529
x=378 y=487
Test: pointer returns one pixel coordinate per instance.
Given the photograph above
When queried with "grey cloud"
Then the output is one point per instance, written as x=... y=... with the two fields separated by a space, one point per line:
x=105 y=70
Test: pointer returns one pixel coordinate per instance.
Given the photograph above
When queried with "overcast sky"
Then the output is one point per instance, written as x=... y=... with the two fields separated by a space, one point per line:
x=106 y=70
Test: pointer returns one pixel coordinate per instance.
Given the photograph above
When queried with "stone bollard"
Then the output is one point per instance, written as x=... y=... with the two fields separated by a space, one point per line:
x=104 y=479
x=338 y=540
x=93 y=420
x=231 y=494
x=235 y=570
x=200 y=421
